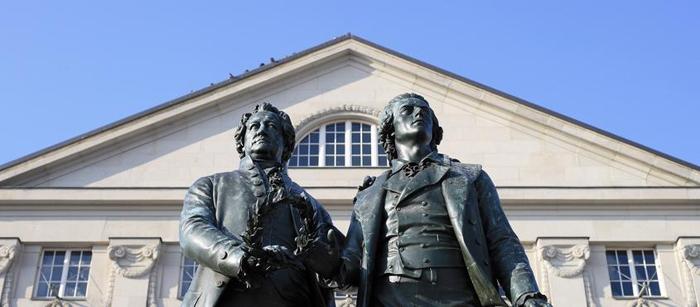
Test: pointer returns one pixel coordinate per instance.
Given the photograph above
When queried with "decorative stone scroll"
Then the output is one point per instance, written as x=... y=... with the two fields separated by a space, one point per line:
x=642 y=302
x=691 y=257
x=688 y=253
x=7 y=254
x=133 y=261
x=565 y=262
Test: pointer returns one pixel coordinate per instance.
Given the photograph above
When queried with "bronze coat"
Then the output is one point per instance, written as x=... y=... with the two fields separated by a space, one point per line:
x=214 y=214
x=490 y=249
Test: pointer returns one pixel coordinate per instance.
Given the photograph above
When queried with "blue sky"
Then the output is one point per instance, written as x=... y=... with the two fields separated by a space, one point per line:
x=629 y=67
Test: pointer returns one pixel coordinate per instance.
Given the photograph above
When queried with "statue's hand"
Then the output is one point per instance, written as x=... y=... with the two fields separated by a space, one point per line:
x=537 y=302
x=279 y=257
x=324 y=257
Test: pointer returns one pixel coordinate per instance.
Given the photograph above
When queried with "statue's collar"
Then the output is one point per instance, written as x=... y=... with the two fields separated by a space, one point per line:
x=247 y=164
x=397 y=164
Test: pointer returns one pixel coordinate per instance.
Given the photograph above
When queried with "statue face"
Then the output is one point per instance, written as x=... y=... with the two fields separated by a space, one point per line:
x=264 y=138
x=413 y=122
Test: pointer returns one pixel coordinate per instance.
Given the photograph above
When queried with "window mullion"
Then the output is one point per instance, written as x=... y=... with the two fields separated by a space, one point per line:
x=322 y=146
x=348 y=143
x=64 y=274
x=373 y=141
x=633 y=273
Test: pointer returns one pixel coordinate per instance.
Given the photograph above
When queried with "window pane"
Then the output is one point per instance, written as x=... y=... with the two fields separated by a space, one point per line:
x=627 y=288
x=355 y=149
x=355 y=126
x=84 y=273
x=313 y=160
x=42 y=290
x=637 y=256
x=313 y=149
x=622 y=257
x=303 y=161
x=641 y=272
x=70 y=289
x=56 y=273
x=649 y=257
x=314 y=137
x=366 y=161
x=355 y=160
x=340 y=149
x=610 y=255
x=82 y=289
x=340 y=161
x=366 y=138
x=366 y=150
x=613 y=274
x=355 y=137
x=616 y=289
x=330 y=137
x=303 y=150
x=329 y=161
x=654 y=288
x=625 y=272
x=58 y=257
x=75 y=258
x=72 y=273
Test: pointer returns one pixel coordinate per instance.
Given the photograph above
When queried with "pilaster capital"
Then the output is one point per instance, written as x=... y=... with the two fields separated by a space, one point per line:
x=134 y=258
x=565 y=258
x=8 y=250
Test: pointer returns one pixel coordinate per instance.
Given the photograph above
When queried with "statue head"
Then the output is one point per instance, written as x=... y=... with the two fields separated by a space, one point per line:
x=408 y=118
x=267 y=134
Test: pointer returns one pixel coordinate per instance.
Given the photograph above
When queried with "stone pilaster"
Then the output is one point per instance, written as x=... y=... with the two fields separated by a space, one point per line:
x=688 y=253
x=132 y=280
x=562 y=273
x=9 y=248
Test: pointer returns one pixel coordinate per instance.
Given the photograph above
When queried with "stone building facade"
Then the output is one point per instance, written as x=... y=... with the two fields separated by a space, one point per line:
x=93 y=221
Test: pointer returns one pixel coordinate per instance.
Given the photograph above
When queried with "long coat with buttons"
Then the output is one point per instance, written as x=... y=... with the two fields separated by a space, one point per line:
x=491 y=251
x=214 y=214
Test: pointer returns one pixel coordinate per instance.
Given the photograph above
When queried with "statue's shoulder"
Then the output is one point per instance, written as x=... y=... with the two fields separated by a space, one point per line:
x=472 y=171
x=369 y=186
x=218 y=178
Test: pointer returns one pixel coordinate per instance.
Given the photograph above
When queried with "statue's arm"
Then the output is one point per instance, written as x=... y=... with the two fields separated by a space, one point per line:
x=349 y=270
x=200 y=237
x=510 y=263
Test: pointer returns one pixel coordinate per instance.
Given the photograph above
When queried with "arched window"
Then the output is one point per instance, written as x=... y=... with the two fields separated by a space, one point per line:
x=340 y=144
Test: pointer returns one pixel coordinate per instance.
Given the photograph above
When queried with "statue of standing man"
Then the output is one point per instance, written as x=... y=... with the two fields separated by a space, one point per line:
x=431 y=231
x=257 y=236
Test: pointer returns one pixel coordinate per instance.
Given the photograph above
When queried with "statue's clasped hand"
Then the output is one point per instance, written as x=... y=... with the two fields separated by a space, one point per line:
x=270 y=258
x=324 y=256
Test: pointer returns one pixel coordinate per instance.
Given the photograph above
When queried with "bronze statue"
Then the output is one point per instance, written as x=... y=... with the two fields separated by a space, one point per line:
x=257 y=236
x=431 y=231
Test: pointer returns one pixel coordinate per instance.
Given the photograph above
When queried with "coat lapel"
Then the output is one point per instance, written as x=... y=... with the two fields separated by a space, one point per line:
x=455 y=189
x=429 y=176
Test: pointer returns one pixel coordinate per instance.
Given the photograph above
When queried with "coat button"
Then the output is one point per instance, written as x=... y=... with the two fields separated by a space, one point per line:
x=424 y=245
x=259 y=193
x=223 y=254
x=425 y=214
x=220 y=283
x=257 y=181
x=396 y=196
x=424 y=203
x=398 y=209
x=402 y=249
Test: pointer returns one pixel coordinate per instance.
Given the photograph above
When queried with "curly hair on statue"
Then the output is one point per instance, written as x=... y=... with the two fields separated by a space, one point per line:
x=287 y=130
x=386 y=125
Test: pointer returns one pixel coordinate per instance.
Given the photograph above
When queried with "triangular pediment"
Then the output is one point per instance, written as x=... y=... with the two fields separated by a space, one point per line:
x=519 y=144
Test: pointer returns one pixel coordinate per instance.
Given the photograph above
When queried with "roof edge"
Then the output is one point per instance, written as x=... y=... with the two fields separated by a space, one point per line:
x=297 y=55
